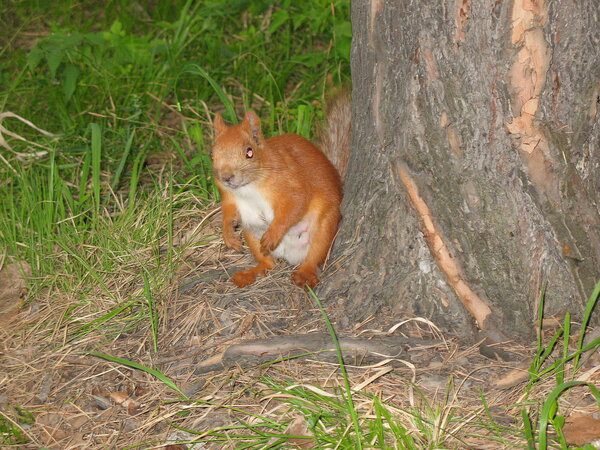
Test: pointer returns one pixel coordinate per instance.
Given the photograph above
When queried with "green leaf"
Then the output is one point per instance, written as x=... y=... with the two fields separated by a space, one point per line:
x=278 y=19
x=70 y=41
x=70 y=75
x=54 y=58
x=559 y=421
x=196 y=134
x=343 y=40
x=34 y=57
x=95 y=39
x=117 y=28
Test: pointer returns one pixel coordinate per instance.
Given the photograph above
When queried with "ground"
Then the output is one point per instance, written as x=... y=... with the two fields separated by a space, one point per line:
x=60 y=396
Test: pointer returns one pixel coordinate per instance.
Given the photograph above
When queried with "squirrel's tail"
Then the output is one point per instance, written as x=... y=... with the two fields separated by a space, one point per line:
x=335 y=136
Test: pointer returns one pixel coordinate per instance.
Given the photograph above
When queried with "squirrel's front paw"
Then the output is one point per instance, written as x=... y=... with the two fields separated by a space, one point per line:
x=232 y=241
x=268 y=243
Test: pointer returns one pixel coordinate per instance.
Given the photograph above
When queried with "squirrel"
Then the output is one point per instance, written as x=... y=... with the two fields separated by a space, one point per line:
x=283 y=191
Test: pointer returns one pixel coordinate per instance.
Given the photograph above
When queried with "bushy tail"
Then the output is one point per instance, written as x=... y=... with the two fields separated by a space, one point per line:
x=335 y=136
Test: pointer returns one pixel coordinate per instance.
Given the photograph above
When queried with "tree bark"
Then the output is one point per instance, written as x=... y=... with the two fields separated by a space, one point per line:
x=475 y=172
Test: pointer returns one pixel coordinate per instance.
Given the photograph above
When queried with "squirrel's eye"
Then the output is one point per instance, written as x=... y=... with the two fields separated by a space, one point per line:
x=249 y=152
x=210 y=154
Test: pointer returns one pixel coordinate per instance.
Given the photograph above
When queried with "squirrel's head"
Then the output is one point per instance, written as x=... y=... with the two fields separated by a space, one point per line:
x=237 y=151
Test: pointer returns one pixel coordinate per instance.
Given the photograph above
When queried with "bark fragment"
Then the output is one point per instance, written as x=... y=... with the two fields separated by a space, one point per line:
x=477 y=307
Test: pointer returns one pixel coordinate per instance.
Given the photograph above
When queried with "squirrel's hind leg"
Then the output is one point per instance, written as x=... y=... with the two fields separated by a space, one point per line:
x=320 y=242
x=265 y=263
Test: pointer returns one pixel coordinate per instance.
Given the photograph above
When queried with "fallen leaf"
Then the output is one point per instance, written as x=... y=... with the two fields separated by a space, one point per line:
x=581 y=429
x=118 y=397
x=298 y=427
x=140 y=390
x=515 y=376
x=121 y=398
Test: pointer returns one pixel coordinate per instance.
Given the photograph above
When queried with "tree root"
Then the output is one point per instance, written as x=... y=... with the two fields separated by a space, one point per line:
x=356 y=351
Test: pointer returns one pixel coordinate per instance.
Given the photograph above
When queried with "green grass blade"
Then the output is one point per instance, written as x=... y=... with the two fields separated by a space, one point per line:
x=195 y=69
x=96 y=161
x=584 y=323
x=351 y=410
x=493 y=427
x=126 y=150
x=578 y=353
x=96 y=323
x=90 y=270
x=540 y=319
x=151 y=310
x=528 y=430
x=85 y=172
x=136 y=171
x=551 y=404
x=560 y=370
x=155 y=373
x=400 y=432
x=51 y=199
x=539 y=360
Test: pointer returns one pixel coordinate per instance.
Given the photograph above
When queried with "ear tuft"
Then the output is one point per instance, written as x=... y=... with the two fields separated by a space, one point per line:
x=253 y=123
x=220 y=125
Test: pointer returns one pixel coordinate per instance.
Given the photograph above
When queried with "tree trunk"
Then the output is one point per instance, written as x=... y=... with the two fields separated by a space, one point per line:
x=474 y=177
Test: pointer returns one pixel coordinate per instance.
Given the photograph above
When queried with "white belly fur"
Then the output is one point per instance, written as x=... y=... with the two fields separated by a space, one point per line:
x=256 y=215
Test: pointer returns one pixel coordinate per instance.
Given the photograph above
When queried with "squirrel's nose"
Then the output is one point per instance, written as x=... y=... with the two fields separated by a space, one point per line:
x=227 y=177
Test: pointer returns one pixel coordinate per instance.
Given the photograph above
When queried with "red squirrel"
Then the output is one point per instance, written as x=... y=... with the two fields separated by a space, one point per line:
x=284 y=192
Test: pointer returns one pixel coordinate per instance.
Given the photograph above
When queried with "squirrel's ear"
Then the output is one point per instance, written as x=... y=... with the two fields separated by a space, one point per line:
x=220 y=125
x=252 y=122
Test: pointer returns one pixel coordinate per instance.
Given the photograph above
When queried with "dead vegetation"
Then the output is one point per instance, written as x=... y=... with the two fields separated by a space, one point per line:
x=434 y=387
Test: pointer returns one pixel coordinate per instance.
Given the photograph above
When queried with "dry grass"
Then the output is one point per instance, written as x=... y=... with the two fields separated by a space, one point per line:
x=81 y=401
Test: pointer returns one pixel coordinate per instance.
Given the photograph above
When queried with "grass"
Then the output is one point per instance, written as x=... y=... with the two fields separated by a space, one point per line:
x=565 y=381
x=347 y=418
x=11 y=432
x=105 y=214
x=130 y=92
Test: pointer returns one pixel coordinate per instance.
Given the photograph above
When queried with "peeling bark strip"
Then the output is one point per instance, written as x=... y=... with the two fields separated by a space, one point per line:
x=379 y=69
x=527 y=79
x=376 y=6
x=528 y=72
x=463 y=9
x=433 y=73
x=477 y=307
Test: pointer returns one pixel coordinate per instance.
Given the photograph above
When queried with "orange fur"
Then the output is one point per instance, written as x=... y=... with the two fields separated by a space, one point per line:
x=283 y=190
